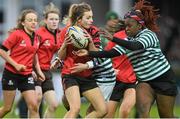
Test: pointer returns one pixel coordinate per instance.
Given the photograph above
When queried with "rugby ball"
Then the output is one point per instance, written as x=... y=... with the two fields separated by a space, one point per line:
x=78 y=38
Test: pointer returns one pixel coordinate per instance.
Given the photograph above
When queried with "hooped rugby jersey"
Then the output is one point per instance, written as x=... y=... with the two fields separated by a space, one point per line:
x=121 y=63
x=149 y=62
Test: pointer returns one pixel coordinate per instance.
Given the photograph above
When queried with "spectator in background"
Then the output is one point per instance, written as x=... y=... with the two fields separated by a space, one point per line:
x=111 y=25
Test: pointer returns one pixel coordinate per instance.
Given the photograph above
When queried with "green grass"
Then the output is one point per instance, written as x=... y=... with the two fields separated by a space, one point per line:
x=60 y=112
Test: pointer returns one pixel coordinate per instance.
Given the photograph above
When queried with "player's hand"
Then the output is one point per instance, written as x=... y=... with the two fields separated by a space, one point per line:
x=56 y=64
x=20 y=67
x=86 y=34
x=34 y=75
x=80 y=53
x=67 y=41
x=41 y=76
x=116 y=71
x=79 y=67
x=106 y=34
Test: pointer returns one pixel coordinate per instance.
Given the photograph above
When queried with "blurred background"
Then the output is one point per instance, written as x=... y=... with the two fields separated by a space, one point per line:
x=169 y=23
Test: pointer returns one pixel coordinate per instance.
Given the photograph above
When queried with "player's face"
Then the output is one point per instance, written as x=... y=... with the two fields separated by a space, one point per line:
x=30 y=22
x=86 y=20
x=132 y=27
x=52 y=21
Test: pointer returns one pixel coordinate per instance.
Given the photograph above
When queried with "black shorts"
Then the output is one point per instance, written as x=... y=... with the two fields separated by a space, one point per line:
x=119 y=89
x=164 y=84
x=83 y=83
x=12 y=81
x=47 y=84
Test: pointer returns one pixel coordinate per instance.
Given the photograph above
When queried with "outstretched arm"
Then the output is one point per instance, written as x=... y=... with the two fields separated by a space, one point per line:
x=104 y=54
x=98 y=54
x=130 y=45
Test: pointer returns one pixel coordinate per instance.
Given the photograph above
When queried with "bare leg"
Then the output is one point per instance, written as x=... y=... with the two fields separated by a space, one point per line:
x=38 y=90
x=52 y=103
x=165 y=106
x=30 y=97
x=128 y=102
x=73 y=97
x=8 y=97
x=96 y=99
x=112 y=107
x=144 y=99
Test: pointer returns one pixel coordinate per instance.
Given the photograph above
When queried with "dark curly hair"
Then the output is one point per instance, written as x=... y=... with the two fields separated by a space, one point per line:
x=148 y=13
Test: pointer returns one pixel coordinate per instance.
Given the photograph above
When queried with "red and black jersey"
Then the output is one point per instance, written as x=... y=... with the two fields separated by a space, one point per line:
x=72 y=59
x=126 y=73
x=49 y=44
x=22 y=49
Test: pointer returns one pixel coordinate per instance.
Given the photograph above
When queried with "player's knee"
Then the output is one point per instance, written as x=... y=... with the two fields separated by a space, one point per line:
x=166 y=114
x=102 y=112
x=7 y=109
x=33 y=106
x=75 y=109
x=39 y=98
x=124 y=113
x=143 y=111
x=53 y=106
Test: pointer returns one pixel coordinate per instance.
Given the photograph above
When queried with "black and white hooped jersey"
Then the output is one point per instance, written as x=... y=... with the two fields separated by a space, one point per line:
x=149 y=62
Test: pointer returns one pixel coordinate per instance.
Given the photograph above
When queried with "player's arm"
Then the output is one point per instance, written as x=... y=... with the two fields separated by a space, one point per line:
x=63 y=48
x=131 y=45
x=4 y=54
x=104 y=54
x=38 y=70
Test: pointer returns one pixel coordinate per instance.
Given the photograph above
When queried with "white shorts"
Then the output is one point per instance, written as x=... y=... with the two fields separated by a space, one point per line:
x=106 y=89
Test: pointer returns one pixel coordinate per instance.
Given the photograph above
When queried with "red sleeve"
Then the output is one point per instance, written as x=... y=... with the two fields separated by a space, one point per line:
x=94 y=32
x=120 y=34
x=62 y=35
x=11 y=41
x=110 y=45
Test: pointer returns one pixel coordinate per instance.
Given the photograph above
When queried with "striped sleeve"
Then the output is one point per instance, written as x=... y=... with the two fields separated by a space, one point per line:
x=119 y=49
x=148 y=39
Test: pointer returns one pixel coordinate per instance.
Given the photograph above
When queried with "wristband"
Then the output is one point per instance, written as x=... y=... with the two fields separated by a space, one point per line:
x=90 y=64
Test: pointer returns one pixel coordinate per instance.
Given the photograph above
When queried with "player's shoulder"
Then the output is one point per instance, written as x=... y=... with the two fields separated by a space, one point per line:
x=17 y=32
x=93 y=31
x=41 y=30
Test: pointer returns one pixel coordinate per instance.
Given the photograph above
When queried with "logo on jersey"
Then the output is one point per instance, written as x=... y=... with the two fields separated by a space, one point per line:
x=31 y=80
x=46 y=43
x=23 y=43
x=10 y=83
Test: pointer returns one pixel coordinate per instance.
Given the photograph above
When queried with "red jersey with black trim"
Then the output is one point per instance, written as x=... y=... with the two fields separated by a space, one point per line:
x=121 y=63
x=72 y=59
x=49 y=44
x=22 y=50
